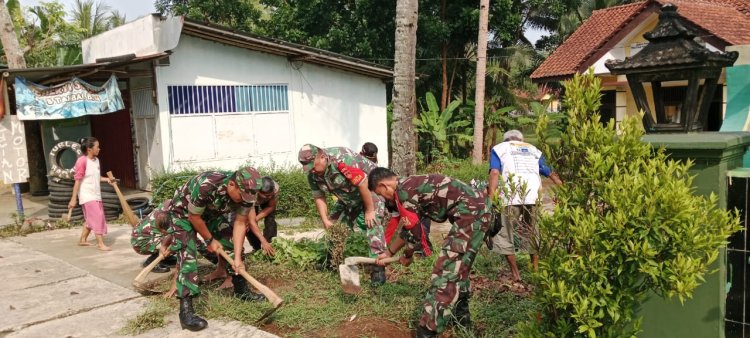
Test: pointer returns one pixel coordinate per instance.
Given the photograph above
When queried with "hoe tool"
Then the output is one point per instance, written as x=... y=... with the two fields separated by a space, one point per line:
x=149 y=287
x=274 y=299
x=349 y=272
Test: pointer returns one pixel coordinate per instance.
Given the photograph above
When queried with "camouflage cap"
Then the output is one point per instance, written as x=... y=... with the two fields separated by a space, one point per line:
x=306 y=156
x=247 y=180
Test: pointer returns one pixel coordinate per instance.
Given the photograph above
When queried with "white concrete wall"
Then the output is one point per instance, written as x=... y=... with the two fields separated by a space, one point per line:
x=144 y=36
x=327 y=107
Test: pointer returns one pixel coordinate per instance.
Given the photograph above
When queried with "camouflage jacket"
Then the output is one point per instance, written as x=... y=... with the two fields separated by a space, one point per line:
x=442 y=198
x=437 y=196
x=206 y=194
x=334 y=181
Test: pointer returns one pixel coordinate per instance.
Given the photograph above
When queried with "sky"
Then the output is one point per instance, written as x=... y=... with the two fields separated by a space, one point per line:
x=132 y=9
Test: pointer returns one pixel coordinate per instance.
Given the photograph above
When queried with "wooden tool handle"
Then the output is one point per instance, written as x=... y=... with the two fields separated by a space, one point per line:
x=70 y=214
x=367 y=260
x=141 y=276
x=272 y=297
x=129 y=214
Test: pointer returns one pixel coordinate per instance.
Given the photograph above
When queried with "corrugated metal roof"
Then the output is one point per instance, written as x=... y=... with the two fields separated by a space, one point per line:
x=290 y=50
x=46 y=74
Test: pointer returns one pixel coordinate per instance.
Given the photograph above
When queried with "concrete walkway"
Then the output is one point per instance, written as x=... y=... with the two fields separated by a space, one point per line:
x=52 y=287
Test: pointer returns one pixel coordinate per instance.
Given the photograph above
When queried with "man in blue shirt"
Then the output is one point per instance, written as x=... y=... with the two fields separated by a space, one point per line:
x=520 y=165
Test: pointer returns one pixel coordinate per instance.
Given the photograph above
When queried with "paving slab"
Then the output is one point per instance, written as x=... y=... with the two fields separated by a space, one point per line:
x=57 y=288
x=216 y=328
x=105 y=321
x=21 y=308
x=118 y=266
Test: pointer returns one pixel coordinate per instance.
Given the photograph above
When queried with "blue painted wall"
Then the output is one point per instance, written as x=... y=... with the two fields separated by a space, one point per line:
x=738 y=102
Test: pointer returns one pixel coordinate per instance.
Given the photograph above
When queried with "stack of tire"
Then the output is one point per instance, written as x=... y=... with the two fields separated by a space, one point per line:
x=61 y=187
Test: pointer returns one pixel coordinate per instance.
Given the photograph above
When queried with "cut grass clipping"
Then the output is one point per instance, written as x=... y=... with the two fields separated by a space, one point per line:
x=151 y=318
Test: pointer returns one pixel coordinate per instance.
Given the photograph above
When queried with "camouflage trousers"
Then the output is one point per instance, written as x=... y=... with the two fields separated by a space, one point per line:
x=186 y=247
x=354 y=217
x=146 y=237
x=450 y=275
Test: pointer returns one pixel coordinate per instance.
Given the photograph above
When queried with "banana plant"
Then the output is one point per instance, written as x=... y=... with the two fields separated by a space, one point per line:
x=440 y=128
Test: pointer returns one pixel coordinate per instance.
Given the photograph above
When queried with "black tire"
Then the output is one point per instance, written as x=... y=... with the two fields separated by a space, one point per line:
x=65 y=211
x=136 y=203
x=59 y=208
x=110 y=199
x=56 y=169
x=106 y=188
x=60 y=182
x=60 y=194
x=64 y=190
x=108 y=206
x=56 y=199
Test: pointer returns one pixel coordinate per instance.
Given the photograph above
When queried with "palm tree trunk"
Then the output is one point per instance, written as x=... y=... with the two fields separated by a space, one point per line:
x=11 y=47
x=444 y=63
x=484 y=8
x=32 y=129
x=404 y=99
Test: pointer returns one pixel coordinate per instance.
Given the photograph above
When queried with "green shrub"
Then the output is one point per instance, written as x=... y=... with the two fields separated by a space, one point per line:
x=165 y=184
x=295 y=198
x=463 y=170
x=626 y=224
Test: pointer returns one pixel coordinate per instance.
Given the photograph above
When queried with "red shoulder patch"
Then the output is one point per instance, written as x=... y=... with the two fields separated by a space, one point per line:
x=353 y=174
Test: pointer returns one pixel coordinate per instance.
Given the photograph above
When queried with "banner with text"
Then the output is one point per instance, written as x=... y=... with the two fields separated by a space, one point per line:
x=73 y=98
x=14 y=164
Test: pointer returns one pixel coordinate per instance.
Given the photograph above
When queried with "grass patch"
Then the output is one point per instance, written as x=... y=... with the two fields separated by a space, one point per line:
x=151 y=318
x=315 y=303
x=30 y=226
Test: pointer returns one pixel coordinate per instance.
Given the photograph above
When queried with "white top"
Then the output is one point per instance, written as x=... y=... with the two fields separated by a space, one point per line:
x=90 y=189
x=520 y=161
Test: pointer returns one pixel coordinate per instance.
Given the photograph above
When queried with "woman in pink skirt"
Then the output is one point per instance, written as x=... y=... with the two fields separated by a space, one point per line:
x=87 y=190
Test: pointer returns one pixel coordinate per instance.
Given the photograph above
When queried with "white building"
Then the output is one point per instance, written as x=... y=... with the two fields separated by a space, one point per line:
x=211 y=97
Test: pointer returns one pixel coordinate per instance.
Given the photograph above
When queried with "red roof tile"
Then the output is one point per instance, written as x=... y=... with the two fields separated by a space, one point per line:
x=717 y=18
x=709 y=15
x=587 y=39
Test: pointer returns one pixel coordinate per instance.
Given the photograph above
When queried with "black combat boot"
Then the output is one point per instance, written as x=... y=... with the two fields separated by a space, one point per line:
x=188 y=319
x=377 y=275
x=423 y=332
x=241 y=291
x=463 y=317
x=170 y=261
x=159 y=268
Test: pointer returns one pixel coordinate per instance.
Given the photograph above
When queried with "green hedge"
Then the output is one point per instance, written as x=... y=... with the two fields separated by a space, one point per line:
x=295 y=200
x=463 y=170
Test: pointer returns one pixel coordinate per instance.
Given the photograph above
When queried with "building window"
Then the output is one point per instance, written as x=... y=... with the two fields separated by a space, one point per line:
x=220 y=123
x=188 y=100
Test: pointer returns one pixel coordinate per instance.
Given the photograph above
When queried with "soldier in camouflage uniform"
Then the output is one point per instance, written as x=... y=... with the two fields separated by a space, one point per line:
x=441 y=199
x=149 y=236
x=343 y=173
x=201 y=206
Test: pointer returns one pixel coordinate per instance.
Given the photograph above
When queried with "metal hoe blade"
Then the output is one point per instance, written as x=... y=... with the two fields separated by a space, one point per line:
x=268 y=313
x=350 y=278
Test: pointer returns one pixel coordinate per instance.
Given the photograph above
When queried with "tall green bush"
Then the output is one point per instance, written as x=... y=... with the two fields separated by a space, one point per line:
x=626 y=223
